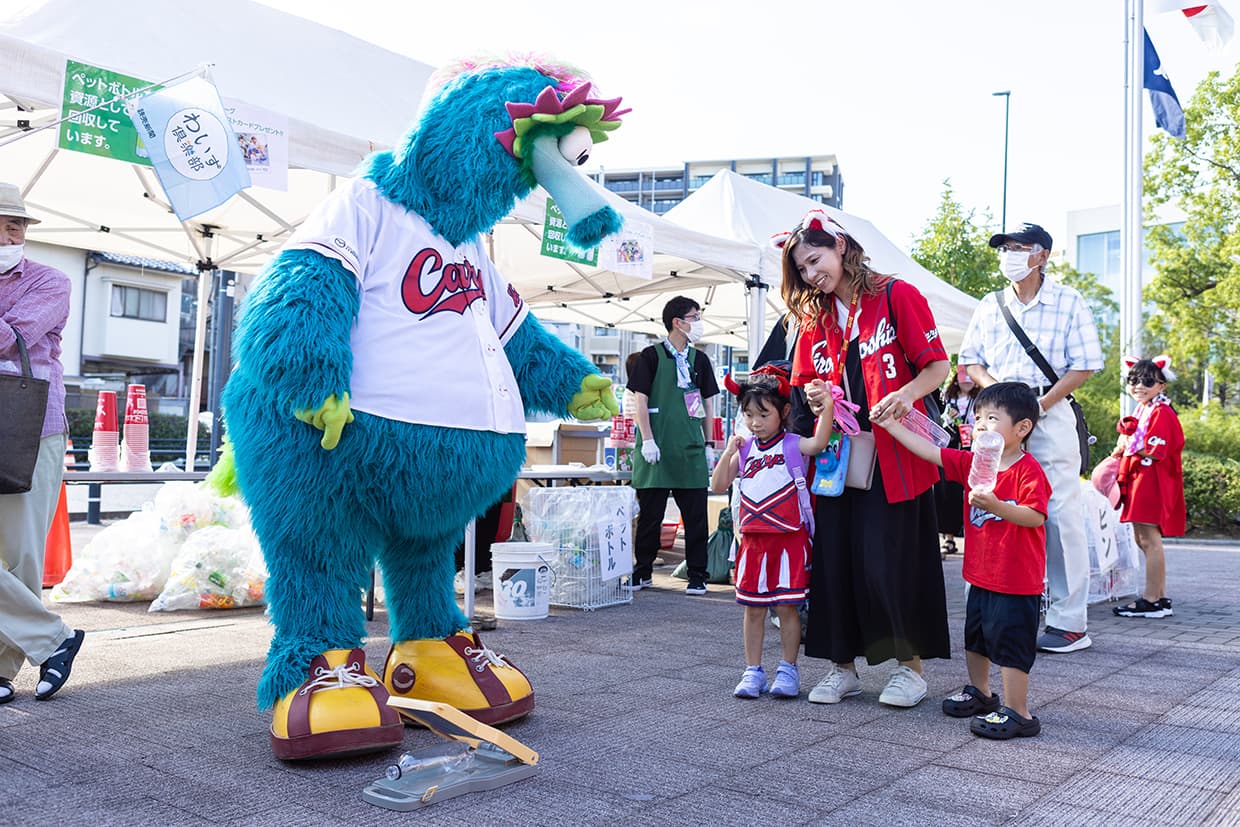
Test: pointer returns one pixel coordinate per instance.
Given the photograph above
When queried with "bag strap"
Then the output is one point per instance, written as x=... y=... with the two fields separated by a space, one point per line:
x=1021 y=336
x=744 y=452
x=25 y=357
x=796 y=466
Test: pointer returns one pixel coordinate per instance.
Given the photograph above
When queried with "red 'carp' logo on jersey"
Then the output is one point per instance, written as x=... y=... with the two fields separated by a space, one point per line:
x=458 y=285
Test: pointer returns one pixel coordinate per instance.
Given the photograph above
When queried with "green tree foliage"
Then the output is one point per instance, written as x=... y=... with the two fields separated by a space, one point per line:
x=954 y=248
x=1197 y=289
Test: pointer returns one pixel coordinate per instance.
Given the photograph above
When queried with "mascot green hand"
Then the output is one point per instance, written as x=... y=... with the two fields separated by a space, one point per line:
x=330 y=418
x=595 y=400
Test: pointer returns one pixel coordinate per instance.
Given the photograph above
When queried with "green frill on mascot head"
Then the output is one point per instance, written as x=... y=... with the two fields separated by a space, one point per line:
x=334 y=491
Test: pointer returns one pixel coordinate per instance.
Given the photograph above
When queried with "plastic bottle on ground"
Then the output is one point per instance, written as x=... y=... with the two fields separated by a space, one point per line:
x=454 y=755
x=987 y=451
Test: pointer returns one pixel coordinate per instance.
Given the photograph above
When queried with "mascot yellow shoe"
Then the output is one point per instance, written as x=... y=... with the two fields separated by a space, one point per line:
x=341 y=709
x=460 y=671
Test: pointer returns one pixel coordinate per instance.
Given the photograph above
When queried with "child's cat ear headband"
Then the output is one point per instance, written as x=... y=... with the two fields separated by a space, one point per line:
x=814 y=220
x=1162 y=361
x=780 y=371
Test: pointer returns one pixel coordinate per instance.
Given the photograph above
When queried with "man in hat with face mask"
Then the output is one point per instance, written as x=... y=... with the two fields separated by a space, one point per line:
x=675 y=386
x=1058 y=322
x=34 y=303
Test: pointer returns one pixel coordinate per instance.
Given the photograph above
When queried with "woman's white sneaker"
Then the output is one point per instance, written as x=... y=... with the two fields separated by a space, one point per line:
x=906 y=688
x=835 y=687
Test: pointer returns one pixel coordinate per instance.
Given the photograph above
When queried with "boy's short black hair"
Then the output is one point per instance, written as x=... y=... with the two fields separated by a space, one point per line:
x=1016 y=399
x=678 y=308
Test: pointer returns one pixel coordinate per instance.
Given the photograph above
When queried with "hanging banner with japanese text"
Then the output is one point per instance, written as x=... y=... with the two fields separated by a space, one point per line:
x=555 y=239
x=191 y=145
x=94 y=111
x=263 y=138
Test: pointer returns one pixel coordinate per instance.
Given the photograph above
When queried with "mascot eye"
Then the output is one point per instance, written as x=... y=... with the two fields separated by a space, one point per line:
x=576 y=146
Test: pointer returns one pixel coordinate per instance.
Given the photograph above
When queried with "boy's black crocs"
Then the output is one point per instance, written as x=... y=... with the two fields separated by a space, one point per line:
x=969 y=702
x=6 y=690
x=55 y=670
x=1005 y=724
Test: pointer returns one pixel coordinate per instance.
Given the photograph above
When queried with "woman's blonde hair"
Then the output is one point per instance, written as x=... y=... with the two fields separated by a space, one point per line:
x=808 y=303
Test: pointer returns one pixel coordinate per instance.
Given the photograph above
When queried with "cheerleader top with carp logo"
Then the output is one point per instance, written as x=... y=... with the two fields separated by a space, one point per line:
x=774 y=495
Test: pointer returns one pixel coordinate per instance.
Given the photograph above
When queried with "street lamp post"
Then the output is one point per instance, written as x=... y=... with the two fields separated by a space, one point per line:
x=1007 y=100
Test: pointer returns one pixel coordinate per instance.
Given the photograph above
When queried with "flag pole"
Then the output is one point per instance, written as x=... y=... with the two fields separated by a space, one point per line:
x=1131 y=232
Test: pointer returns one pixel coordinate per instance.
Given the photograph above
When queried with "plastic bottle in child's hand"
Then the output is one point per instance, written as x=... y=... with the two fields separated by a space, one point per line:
x=987 y=451
x=926 y=428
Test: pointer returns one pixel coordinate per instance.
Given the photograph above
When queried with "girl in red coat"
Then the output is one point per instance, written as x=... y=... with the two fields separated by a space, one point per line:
x=1151 y=478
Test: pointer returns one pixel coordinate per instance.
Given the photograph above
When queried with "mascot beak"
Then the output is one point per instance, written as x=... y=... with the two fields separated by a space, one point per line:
x=588 y=215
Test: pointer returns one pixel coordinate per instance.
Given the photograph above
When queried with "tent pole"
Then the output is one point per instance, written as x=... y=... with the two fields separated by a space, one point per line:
x=206 y=273
x=757 y=315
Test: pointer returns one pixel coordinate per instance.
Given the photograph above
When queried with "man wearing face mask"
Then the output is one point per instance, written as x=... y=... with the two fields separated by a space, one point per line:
x=674 y=385
x=34 y=302
x=1058 y=321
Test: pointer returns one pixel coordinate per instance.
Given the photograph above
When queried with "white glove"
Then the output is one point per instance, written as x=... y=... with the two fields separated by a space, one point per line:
x=710 y=456
x=650 y=451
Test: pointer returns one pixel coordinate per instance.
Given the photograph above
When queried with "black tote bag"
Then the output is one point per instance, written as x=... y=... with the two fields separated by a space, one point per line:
x=23 y=407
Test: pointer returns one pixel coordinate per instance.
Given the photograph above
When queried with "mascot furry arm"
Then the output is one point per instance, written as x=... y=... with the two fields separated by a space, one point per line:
x=383 y=370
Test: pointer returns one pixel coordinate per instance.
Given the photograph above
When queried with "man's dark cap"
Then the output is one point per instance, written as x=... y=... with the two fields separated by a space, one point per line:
x=1027 y=234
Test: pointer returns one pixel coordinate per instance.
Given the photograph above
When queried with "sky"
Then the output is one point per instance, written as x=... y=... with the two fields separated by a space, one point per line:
x=899 y=90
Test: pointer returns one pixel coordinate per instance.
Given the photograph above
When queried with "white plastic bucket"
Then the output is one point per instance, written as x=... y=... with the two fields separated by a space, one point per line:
x=521 y=575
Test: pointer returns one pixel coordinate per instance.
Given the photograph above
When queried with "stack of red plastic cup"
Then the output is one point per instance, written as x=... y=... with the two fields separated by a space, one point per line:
x=716 y=431
x=105 y=443
x=136 y=448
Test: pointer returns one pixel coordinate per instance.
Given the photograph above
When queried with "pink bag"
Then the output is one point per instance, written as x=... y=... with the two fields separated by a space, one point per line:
x=1105 y=479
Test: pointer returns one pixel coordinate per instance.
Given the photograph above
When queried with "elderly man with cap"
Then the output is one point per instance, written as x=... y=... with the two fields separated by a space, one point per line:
x=34 y=303
x=1056 y=320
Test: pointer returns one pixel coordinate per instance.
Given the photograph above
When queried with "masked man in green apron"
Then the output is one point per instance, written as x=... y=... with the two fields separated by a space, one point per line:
x=675 y=386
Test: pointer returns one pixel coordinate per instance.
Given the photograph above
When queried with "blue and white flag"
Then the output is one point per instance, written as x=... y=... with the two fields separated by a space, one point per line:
x=191 y=146
x=1168 y=113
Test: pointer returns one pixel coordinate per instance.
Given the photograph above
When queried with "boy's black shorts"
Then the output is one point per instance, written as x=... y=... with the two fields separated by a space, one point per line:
x=1002 y=627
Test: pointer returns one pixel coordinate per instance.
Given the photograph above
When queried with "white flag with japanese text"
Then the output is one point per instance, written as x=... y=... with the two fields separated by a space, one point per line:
x=191 y=146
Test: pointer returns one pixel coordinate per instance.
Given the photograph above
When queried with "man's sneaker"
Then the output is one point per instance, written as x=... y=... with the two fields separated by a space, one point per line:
x=787 y=683
x=753 y=683
x=696 y=587
x=1058 y=640
x=636 y=584
x=55 y=670
x=835 y=687
x=1142 y=608
x=906 y=688
x=6 y=690
x=1165 y=603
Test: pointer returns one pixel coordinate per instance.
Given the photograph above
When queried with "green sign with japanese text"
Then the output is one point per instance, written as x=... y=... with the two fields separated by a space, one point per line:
x=100 y=129
x=555 y=239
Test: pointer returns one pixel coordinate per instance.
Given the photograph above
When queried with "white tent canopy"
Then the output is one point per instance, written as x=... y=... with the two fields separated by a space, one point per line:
x=696 y=264
x=742 y=209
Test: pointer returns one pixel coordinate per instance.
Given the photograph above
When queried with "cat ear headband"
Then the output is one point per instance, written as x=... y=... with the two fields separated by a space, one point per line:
x=814 y=220
x=1162 y=361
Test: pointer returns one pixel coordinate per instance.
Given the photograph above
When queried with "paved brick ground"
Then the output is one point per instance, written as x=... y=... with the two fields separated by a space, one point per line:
x=635 y=724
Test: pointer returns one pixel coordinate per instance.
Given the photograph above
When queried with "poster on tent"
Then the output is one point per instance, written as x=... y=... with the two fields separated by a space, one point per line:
x=94 y=116
x=629 y=252
x=555 y=239
x=191 y=146
x=262 y=136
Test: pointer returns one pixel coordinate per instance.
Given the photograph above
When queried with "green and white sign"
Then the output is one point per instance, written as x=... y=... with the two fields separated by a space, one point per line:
x=100 y=130
x=555 y=239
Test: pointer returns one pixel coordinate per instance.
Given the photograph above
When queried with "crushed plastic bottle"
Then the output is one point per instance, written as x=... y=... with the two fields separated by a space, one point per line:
x=984 y=469
x=454 y=755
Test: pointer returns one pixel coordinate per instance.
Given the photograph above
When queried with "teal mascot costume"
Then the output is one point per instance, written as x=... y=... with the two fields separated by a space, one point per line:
x=383 y=368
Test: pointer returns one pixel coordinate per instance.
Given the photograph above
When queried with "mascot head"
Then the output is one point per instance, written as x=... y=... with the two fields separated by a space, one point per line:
x=490 y=131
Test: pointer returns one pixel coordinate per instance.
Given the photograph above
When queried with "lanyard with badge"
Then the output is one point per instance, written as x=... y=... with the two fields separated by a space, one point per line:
x=693 y=396
x=832 y=464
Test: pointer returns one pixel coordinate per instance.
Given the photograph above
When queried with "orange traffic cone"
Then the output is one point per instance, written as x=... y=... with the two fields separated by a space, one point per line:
x=58 y=553
x=69 y=458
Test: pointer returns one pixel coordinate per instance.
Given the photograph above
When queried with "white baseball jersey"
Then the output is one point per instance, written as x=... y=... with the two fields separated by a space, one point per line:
x=428 y=343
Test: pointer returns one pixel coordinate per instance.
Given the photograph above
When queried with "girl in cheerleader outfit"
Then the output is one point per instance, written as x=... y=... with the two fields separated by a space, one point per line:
x=1151 y=477
x=772 y=565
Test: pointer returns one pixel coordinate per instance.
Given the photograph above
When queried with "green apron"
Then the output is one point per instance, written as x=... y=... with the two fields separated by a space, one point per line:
x=682 y=449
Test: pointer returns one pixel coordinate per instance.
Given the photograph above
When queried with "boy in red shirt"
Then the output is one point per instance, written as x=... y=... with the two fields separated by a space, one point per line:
x=1004 y=560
